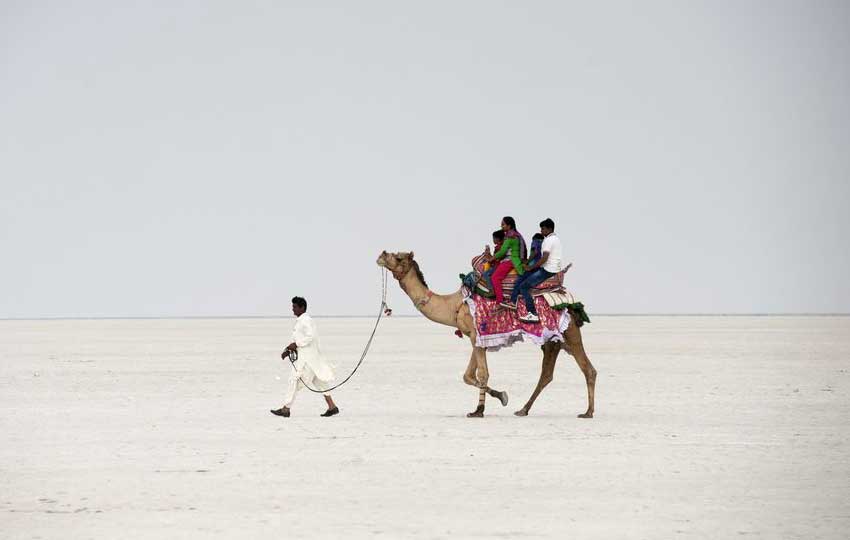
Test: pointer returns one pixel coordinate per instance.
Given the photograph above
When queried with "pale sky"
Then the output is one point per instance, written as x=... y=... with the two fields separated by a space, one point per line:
x=216 y=158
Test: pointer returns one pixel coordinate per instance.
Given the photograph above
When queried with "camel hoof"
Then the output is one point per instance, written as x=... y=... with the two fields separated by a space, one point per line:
x=586 y=415
x=501 y=396
x=475 y=414
x=521 y=412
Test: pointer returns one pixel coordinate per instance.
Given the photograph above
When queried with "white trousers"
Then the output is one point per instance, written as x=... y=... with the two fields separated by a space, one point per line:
x=295 y=384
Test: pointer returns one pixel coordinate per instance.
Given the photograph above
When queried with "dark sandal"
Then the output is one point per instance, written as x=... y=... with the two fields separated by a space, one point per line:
x=330 y=412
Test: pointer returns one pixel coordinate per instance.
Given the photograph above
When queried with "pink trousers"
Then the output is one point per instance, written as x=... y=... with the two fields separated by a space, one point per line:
x=499 y=274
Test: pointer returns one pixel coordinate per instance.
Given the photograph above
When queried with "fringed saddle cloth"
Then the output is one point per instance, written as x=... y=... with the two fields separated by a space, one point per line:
x=496 y=327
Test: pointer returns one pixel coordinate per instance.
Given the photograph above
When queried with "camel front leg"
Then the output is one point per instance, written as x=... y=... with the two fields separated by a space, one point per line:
x=477 y=374
x=469 y=375
x=481 y=375
x=550 y=356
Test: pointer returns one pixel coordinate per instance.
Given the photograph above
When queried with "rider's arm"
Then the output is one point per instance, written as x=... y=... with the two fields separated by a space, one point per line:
x=541 y=262
x=504 y=249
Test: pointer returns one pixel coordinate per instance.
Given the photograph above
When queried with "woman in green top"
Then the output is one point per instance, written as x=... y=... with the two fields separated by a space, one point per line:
x=512 y=254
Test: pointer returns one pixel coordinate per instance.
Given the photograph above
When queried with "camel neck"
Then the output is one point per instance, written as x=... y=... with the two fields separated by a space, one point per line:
x=436 y=307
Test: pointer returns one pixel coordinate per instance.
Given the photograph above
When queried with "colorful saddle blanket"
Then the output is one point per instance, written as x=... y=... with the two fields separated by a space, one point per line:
x=497 y=327
x=482 y=288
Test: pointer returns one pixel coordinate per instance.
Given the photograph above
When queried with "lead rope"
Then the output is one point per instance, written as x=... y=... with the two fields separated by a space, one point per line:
x=384 y=310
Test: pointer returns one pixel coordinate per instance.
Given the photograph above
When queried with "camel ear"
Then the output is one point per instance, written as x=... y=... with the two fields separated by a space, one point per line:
x=411 y=255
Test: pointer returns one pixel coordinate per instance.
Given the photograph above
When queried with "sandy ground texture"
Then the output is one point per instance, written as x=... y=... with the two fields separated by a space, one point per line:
x=706 y=427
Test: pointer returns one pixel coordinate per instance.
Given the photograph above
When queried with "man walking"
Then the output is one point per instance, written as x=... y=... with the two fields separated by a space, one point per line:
x=310 y=366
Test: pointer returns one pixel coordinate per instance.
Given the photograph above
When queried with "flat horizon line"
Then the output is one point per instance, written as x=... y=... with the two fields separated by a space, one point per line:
x=218 y=317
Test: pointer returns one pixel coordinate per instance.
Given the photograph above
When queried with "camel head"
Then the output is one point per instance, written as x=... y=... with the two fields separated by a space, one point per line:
x=400 y=264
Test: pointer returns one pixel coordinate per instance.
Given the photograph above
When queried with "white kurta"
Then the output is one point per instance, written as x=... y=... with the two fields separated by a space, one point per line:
x=310 y=367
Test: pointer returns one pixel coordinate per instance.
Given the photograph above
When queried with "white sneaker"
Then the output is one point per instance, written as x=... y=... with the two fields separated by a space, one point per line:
x=530 y=318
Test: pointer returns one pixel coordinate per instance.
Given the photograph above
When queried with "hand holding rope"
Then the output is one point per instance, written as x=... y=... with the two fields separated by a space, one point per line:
x=292 y=355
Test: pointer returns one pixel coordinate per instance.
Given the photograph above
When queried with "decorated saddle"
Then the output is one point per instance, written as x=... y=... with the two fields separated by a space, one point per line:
x=497 y=327
x=483 y=288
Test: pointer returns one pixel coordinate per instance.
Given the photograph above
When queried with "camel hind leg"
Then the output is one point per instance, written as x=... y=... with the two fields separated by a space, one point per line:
x=574 y=347
x=550 y=356
x=477 y=374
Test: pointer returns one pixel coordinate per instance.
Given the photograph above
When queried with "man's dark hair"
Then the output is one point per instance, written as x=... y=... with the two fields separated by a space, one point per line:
x=548 y=223
x=300 y=302
x=499 y=235
x=537 y=236
x=510 y=221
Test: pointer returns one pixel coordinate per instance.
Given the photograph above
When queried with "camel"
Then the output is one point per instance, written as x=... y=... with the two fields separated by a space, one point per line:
x=451 y=310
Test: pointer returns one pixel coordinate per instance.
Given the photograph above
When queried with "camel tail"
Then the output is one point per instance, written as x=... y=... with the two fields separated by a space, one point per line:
x=578 y=314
